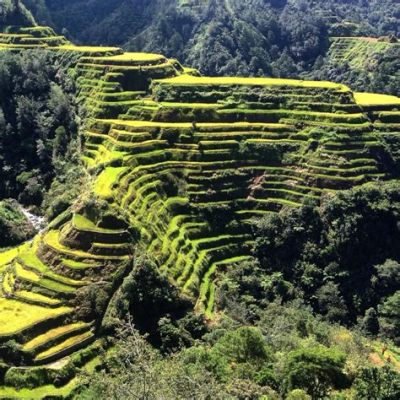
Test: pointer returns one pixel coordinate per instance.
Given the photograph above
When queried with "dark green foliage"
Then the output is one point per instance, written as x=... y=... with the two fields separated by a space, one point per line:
x=377 y=384
x=14 y=226
x=158 y=308
x=274 y=38
x=12 y=13
x=137 y=371
x=317 y=370
x=37 y=122
x=238 y=354
x=389 y=313
x=249 y=285
x=393 y=148
x=245 y=345
x=288 y=353
x=370 y=322
x=92 y=301
x=329 y=253
x=70 y=180
x=387 y=278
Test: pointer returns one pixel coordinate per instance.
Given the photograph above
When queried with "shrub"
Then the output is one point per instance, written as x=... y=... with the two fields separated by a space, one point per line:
x=317 y=370
x=14 y=226
x=377 y=383
x=389 y=320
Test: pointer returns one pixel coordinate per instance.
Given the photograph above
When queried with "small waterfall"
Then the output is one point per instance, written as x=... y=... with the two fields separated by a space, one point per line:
x=38 y=222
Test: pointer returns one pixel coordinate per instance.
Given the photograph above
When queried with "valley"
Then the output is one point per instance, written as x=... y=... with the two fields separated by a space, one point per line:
x=182 y=166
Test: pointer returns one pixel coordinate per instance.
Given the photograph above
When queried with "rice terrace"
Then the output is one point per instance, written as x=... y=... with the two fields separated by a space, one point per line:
x=181 y=168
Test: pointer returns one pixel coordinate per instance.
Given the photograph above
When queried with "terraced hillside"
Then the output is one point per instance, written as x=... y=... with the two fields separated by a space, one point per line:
x=359 y=52
x=181 y=166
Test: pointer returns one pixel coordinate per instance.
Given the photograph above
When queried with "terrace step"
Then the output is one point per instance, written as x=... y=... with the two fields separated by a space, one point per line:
x=65 y=348
x=51 y=242
x=208 y=256
x=207 y=288
x=77 y=265
x=55 y=336
x=31 y=262
x=118 y=249
x=25 y=275
x=37 y=298
x=8 y=284
x=20 y=318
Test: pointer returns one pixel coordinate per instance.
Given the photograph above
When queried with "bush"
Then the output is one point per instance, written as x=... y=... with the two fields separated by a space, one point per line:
x=389 y=320
x=377 y=383
x=317 y=370
x=15 y=228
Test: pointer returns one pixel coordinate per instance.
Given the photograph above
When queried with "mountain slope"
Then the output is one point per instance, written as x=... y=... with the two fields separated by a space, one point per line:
x=276 y=38
x=182 y=168
x=365 y=63
x=13 y=12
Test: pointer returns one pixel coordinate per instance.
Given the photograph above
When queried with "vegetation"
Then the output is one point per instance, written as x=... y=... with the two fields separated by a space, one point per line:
x=366 y=64
x=337 y=259
x=38 y=122
x=245 y=228
x=14 y=226
x=277 y=38
x=14 y=13
x=285 y=359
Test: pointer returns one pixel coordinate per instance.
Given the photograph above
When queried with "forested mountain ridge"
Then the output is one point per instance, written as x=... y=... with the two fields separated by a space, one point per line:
x=13 y=12
x=248 y=227
x=247 y=33
x=232 y=37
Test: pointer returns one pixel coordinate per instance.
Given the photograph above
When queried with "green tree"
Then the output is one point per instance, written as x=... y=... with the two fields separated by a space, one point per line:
x=136 y=371
x=389 y=313
x=244 y=345
x=317 y=370
x=377 y=384
x=298 y=394
x=370 y=322
x=388 y=276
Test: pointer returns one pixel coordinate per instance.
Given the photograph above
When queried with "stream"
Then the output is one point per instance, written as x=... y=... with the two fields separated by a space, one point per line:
x=38 y=222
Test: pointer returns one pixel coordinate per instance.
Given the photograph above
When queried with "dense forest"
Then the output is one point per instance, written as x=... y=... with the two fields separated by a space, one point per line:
x=37 y=122
x=13 y=12
x=232 y=37
x=39 y=144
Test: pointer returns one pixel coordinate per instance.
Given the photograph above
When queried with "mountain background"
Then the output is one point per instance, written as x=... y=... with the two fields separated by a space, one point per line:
x=278 y=38
x=13 y=12
x=220 y=37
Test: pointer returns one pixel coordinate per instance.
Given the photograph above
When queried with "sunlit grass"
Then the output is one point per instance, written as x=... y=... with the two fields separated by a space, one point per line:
x=16 y=316
x=191 y=80
x=374 y=99
x=53 y=334
x=88 y=49
x=39 y=392
x=105 y=181
x=7 y=256
x=68 y=343
x=132 y=57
